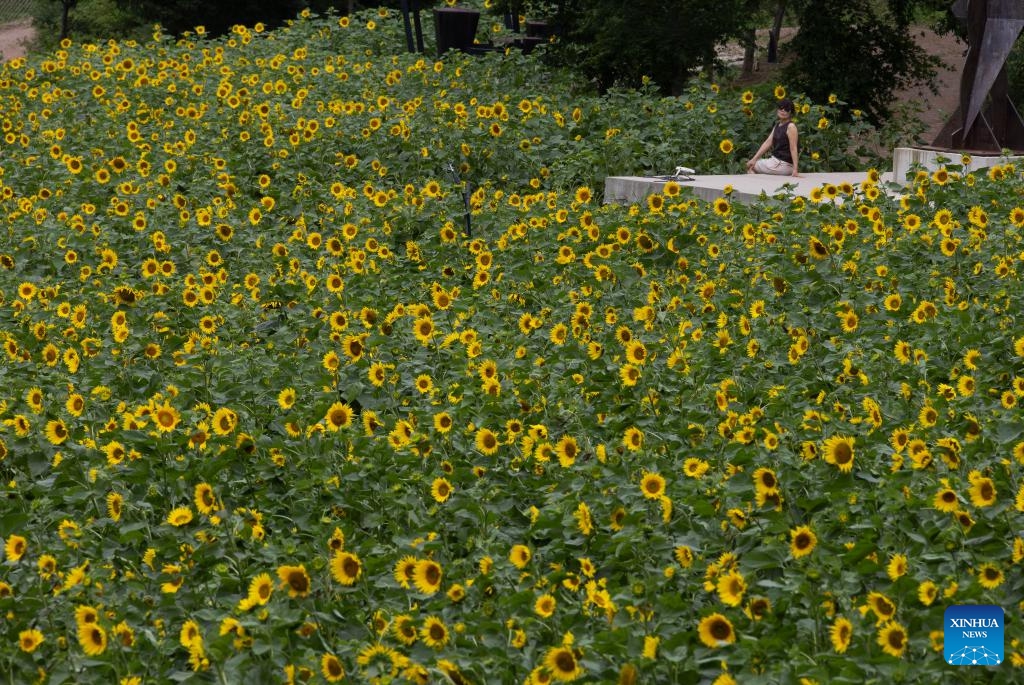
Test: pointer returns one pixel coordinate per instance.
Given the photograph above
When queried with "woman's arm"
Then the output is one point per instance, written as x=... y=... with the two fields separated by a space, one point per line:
x=760 y=151
x=791 y=133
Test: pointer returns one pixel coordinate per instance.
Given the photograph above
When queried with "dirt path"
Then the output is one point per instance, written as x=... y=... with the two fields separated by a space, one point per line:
x=937 y=108
x=13 y=37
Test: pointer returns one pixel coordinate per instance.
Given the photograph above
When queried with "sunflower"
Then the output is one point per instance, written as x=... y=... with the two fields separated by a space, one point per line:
x=695 y=468
x=840 y=633
x=725 y=146
x=897 y=567
x=882 y=606
x=990 y=576
x=295 y=579
x=486 y=441
x=716 y=630
x=849 y=321
x=405 y=569
x=928 y=416
x=927 y=591
x=434 y=632
x=115 y=504
x=520 y=556
x=443 y=422
x=353 y=346
x=765 y=481
x=179 y=516
x=817 y=248
x=562 y=664
x=427 y=576
x=331 y=667
x=423 y=329
x=636 y=352
x=652 y=485
x=567 y=450
x=260 y=589
x=838 y=451
x=758 y=608
x=404 y=629
x=346 y=567
x=892 y=638
x=633 y=439
x=629 y=375
x=166 y=418
x=441 y=490
x=206 y=501
x=544 y=606
x=286 y=398
x=684 y=556
x=424 y=384
x=14 y=548
x=802 y=541
x=92 y=638
x=584 y=519
x=29 y=640
x=731 y=587
x=983 y=491
x=946 y=500
x=338 y=416
x=56 y=431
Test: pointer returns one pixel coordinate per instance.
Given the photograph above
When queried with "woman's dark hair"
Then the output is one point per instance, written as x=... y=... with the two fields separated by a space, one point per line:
x=787 y=105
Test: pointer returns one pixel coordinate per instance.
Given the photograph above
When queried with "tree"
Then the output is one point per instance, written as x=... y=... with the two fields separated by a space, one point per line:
x=859 y=50
x=82 y=20
x=615 y=43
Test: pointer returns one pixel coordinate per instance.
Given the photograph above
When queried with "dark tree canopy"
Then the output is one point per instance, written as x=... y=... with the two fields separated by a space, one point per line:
x=617 y=43
x=177 y=16
x=860 y=50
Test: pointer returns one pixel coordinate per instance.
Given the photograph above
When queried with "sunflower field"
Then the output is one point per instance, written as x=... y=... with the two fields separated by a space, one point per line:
x=324 y=362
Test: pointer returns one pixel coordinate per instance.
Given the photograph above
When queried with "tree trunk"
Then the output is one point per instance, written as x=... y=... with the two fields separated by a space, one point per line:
x=749 y=51
x=65 y=11
x=773 y=34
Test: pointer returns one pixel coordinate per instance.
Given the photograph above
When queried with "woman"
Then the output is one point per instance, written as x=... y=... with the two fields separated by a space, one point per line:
x=783 y=143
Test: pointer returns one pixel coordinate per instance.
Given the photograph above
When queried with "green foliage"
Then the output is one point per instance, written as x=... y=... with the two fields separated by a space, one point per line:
x=859 y=49
x=88 y=20
x=211 y=249
x=1015 y=74
x=620 y=44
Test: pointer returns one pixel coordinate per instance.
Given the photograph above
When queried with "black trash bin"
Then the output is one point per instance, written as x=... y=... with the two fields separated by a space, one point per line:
x=455 y=28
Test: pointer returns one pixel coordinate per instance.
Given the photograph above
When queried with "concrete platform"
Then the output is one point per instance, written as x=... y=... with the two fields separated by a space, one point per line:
x=903 y=158
x=746 y=188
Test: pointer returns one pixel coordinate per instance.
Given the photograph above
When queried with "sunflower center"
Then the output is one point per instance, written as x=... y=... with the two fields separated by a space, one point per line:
x=565 y=661
x=720 y=630
x=843 y=453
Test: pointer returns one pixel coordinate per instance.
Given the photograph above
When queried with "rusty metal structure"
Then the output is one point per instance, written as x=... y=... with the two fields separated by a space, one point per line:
x=986 y=119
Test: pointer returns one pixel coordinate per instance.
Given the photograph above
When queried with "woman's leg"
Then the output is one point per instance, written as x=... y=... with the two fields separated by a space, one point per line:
x=773 y=166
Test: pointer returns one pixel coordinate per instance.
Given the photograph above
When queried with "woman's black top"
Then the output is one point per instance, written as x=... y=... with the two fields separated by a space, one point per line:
x=780 y=142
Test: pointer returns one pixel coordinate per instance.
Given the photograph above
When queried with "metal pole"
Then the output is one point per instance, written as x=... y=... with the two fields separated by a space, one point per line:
x=408 y=25
x=419 y=28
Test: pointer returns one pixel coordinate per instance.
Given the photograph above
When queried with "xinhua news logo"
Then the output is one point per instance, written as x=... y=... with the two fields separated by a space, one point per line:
x=973 y=635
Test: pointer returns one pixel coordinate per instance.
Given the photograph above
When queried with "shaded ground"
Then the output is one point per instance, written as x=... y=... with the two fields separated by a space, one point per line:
x=13 y=37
